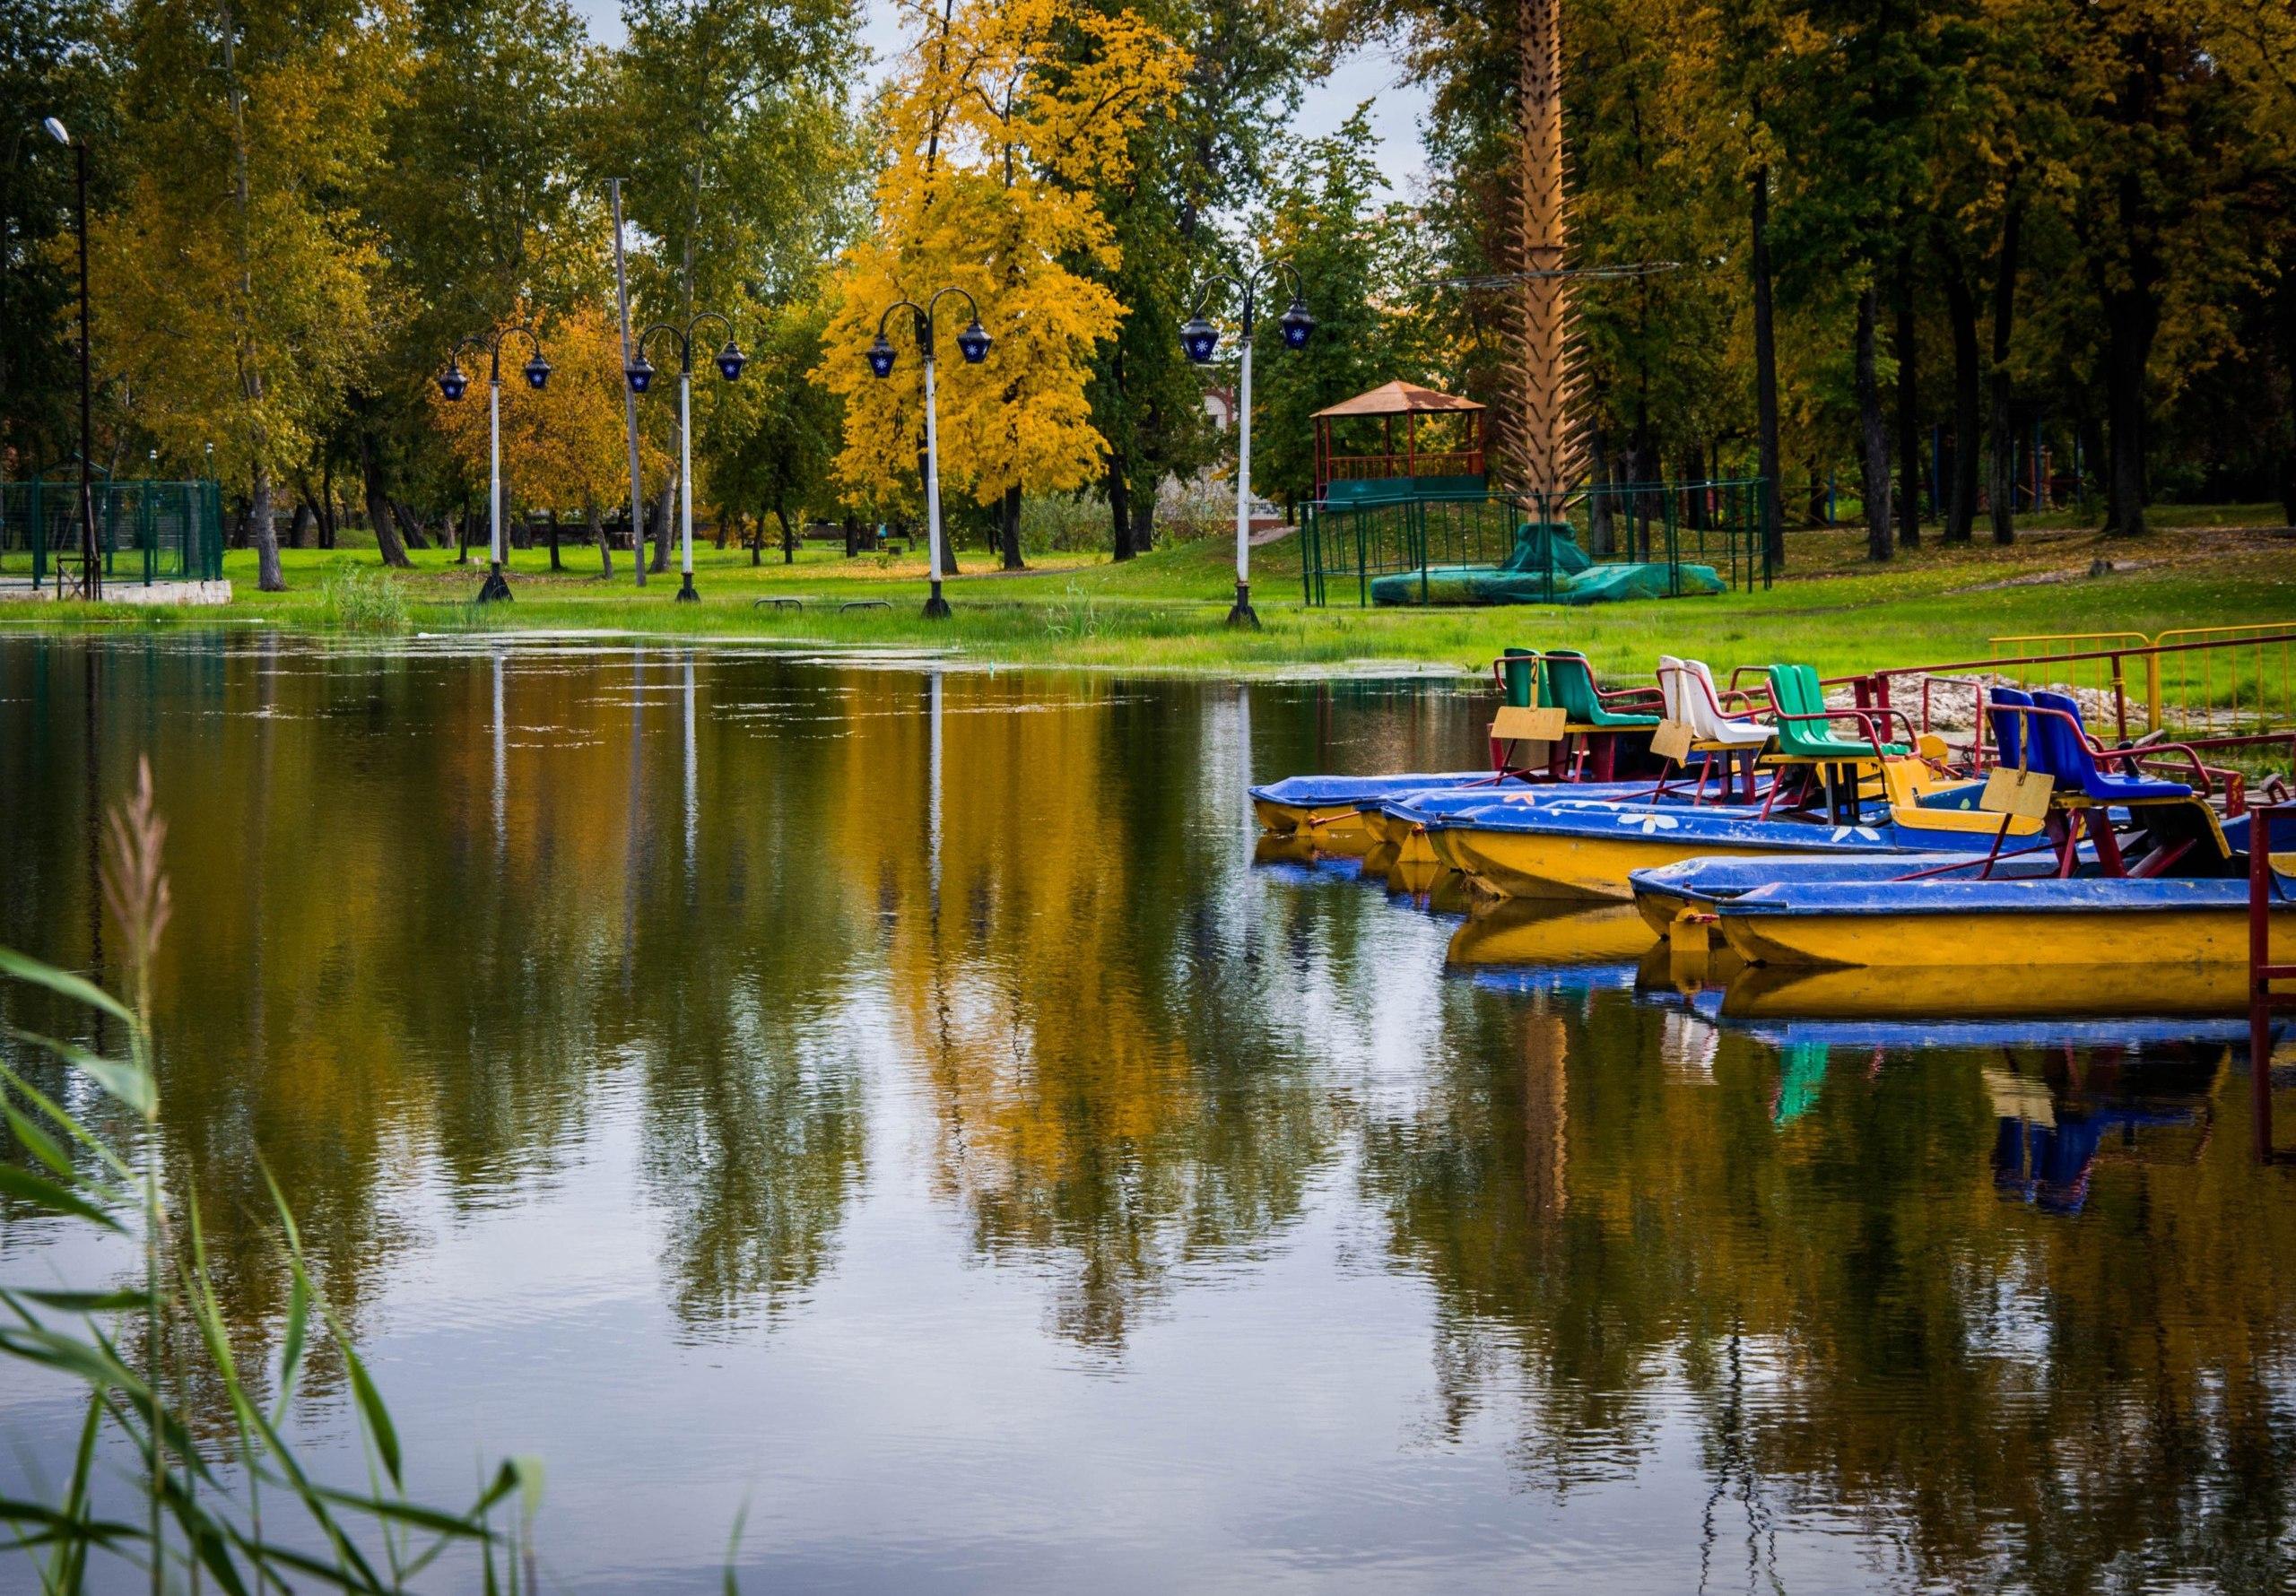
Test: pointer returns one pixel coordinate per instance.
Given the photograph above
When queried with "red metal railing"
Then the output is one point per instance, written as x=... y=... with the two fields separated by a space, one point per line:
x=2264 y=890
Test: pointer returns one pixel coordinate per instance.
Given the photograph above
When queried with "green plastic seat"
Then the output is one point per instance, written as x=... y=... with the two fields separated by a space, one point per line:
x=1572 y=684
x=1794 y=689
x=1521 y=675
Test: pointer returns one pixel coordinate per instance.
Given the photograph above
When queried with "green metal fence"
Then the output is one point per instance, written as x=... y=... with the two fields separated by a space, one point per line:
x=145 y=531
x=1714 y=522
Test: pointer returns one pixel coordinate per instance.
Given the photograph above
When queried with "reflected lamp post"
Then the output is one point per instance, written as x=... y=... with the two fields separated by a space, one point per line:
x=452 y=383
x=91 y=579
x=973 y=345
x=640 y=375
x=1200 y=341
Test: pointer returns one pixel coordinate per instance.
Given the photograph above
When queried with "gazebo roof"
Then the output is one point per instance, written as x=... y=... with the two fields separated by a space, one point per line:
x=1398 y=399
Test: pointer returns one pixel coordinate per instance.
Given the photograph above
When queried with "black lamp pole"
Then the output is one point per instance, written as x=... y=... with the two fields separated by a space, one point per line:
x=973 y=345
x=451 y=383
x=1200 y=341
x=640 y=374
x=92 y=578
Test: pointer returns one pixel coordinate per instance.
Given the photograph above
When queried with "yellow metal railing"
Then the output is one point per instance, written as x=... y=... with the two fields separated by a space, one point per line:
x=2210 y=679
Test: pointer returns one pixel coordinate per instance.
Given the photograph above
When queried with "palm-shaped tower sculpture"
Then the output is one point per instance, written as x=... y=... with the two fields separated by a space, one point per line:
x=1543 y=450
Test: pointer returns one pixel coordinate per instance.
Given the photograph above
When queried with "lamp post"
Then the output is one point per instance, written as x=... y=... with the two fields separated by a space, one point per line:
x=973 y=345
x=92 y=578
x=640 y=375
x=451 y=383
x=1200 y=341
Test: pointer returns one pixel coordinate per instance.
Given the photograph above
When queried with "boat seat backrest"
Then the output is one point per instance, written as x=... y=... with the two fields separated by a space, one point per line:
x=1521 y=672
x=1675 y=691
x=2062 y=744
x=1703 y=704
x=2009 y=727
x=1572 y=685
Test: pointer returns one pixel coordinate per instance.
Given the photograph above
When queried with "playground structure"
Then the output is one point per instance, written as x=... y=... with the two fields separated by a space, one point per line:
x=146 y=532
x=1420 y=544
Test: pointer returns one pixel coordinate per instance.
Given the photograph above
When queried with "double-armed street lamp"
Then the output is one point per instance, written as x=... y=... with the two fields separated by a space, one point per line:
x=92 y=574
x=973 y=345
x=451 y=383
x=641 y=374
x=1200 y=341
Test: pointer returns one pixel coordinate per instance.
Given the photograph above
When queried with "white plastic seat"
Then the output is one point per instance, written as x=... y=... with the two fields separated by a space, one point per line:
x=1701 y=709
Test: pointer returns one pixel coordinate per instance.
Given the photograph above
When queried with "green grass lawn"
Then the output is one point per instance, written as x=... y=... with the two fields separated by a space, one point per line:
x=1831 y=608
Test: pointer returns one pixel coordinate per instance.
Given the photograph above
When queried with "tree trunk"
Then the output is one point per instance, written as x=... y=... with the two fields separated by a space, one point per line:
x=1873 y=432
x=410 y=525
x=788 y=536
x=658 y=527
x=1143 y=522
x=1960 y=495
x=593 y=527
x=267 y=535
x=1908 y=408
x=554 y=565
x=327 y=499
x=2003 y=444
x=462 y=536
x=1773 y=532
x=1008 y=529
x=2131 y=318
x=303 y=526
x=1119 y=508
x=379 y=509
x=852 y=537
x=1816 y=506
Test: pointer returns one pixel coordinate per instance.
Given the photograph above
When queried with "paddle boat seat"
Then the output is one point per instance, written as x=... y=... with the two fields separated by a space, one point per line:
x=1568 y=681
x=2063 y=743
x=1688 y=687
x=2008 y=725
x=1803 y=719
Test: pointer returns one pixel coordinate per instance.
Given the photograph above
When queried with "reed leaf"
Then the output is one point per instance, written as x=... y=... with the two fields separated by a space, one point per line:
x=43 y=1192
x=38 y=1142
x=64 y=1122
x=80 y=1301
x=63 y=983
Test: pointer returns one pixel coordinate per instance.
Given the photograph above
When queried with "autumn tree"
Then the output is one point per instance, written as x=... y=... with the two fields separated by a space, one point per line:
x=239 y=278
x=1000 y=126
x=564 y=445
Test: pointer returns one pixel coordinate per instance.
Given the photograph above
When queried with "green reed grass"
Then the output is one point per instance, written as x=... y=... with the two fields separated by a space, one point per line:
x=239 y=1516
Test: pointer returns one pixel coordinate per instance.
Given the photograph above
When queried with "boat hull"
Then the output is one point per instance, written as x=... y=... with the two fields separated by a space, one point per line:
x=2061 y=931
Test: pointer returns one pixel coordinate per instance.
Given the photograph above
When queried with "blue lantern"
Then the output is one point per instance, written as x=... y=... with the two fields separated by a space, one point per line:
x=730 y=361
x=537 y=372
x=1200 y=339
x=640 y=373
x=973 y=342
x=452 y=382
x=881 y=357
x=1296 y=323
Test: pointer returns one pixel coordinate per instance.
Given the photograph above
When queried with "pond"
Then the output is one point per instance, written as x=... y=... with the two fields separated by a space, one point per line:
x=890 y=1101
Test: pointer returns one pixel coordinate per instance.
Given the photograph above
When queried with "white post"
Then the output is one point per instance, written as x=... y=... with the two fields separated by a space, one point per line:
x=494 y=474
x=1242 y=615
x=685 y=482
x=935 y=606
x=629 y=394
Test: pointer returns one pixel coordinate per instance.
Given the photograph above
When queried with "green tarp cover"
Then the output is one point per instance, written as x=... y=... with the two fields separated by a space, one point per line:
x=1547 y=567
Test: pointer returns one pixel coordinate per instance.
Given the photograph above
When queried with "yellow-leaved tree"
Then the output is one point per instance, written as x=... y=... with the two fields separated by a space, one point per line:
x=563 y=447
x=1002 y=122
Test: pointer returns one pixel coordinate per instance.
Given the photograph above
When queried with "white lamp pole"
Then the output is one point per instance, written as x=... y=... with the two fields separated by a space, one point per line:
x=1200 y=341
x=451 y=383
x=639 y=373
x=973 y=345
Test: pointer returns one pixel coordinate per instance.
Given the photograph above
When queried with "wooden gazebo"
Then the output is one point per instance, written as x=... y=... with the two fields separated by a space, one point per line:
x=1450 y=453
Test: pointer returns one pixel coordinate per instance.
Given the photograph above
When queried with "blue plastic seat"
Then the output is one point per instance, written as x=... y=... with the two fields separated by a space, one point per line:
x=2068 y=758
x=2009 y=728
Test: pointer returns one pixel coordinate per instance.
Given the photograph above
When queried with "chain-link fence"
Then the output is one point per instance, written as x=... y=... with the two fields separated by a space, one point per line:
x=145 y=531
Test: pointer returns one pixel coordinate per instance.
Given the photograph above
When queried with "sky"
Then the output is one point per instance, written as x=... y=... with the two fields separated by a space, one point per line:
x=1366 y=75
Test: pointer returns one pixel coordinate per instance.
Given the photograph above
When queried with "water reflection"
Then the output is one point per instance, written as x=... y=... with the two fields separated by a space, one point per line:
x=768 y=1049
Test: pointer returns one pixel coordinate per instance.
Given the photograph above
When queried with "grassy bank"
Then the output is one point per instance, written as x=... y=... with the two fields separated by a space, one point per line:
x=1163 y=611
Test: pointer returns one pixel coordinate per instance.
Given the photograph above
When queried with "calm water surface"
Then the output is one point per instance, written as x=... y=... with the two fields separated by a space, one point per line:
x=895 y=1099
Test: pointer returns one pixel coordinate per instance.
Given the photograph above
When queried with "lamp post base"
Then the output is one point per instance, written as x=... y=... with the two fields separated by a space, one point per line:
x=1243 y=615
x=936 y=608
x=686 y=594
x=497 y=590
